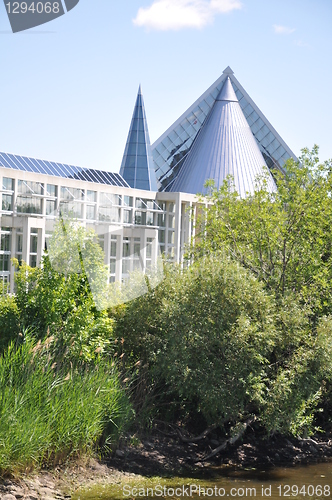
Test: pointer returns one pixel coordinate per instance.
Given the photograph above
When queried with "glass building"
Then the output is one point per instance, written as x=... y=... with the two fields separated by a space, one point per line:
x=137 y=166
x=134 y=220
x=171 y=149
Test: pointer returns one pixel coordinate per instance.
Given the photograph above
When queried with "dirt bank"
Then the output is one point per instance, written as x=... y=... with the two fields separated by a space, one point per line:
x=159 y=455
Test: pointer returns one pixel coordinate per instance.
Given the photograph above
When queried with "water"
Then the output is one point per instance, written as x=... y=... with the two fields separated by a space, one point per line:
x=301 y=483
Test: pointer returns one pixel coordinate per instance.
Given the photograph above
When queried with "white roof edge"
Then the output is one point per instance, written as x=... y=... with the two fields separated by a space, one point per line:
x=263 y=117
x=179 y=120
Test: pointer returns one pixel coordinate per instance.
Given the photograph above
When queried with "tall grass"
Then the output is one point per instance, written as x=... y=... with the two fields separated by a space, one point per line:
x=50 y=411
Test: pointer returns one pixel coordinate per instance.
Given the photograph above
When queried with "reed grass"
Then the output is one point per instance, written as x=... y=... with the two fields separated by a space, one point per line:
x=51 y=411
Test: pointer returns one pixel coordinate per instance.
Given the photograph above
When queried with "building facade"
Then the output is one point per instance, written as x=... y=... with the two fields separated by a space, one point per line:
x=133 y=225
x=136 y=222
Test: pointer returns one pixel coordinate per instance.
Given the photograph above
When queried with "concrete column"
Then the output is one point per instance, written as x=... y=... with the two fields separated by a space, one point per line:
x=143 y=250
x=13 y=254
x=177 y=235
x=41 y=243
x=107 y=247
x=26 y=240
x=119 y=253
x=155 y=249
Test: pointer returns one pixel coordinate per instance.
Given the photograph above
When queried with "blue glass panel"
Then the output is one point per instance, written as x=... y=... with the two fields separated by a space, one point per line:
x=142 y=185
x=35 y=165
x=61 y=168
x=72 y=171
x=109 y=178
x=130 y=174
x=6 y=162
x=130 y=161
x=101 y=175
x=93 y=176
x=23 y=163
x=57 y=169
x=142 y=162
x=104 y=176
x=121 y=181
x=88 y=174
x=142 y=174
x=29 y=162
x=134 y=124
x=98 y=177
x=12 y=159
x=141 y=124
x=114 y=179
x=141 y=137
x=132 y=149
x=44 y=167
x=141 y=149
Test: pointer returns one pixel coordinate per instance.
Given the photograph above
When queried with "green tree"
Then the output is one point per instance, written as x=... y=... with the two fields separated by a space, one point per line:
x=284 y=238
x=246 y=330
x=57 y=298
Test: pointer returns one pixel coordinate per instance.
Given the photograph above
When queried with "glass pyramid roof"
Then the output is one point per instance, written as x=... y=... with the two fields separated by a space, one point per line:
x=137 y=166
x=171 y=149
x=23 y=163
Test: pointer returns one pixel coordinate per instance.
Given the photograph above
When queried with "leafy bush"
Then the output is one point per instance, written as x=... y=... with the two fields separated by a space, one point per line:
x=206 y=335
x=50 y=411
x=57 y=300
x=284 y=238
x=216 y=348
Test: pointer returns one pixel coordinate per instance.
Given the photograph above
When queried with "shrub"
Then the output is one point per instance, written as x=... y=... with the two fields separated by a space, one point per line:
x=214 y=347
x=206 y=334
x=62 y=297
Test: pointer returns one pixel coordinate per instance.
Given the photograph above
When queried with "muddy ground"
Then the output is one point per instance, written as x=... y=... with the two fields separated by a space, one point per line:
x=158 y=454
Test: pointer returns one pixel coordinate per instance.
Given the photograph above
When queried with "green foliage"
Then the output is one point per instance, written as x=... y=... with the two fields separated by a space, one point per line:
x=246 y=330
x=72 y=249
x=57 y=300
x=297 y=390
x=284 y=238
x=9 y=321
x=50 y=411
x=209 y=344
x=206 y=334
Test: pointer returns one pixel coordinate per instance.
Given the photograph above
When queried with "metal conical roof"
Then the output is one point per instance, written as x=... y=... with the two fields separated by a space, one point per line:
x=224 y=146
x=137 y=167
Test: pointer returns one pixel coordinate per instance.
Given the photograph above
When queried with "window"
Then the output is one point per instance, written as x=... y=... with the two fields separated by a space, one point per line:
x=70 y=194
x=113 y=249
x=51 y=190
x=33 y=247
x=90 y=212
x=7 y=202
x=30 y=187
x=50 y=207
x=91 y=196
x=7 y=184
x=5 y=249
x=29 y=205
x=73 y=209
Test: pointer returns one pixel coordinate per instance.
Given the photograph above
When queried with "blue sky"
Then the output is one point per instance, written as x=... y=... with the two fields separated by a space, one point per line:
x=68 y=87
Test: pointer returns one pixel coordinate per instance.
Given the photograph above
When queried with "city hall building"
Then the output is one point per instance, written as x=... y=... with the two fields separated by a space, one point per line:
x=151 y=204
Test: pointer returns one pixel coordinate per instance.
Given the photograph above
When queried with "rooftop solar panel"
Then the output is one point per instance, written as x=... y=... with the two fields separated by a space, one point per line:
x=61 y=170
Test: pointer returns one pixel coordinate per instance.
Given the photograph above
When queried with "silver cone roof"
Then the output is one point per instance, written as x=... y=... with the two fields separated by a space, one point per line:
x=224 y=146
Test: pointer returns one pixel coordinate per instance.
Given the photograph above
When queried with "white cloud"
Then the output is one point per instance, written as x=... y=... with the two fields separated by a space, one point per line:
x=164 y=15
x=283 y=30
